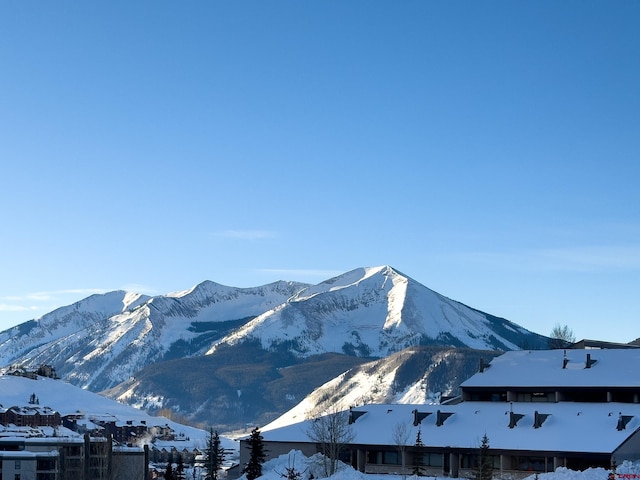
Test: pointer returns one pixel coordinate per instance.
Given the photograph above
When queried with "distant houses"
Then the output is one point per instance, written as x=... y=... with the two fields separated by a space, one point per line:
x=538 y=409
x=48 y=453
x=38 y=443
x=43 y=371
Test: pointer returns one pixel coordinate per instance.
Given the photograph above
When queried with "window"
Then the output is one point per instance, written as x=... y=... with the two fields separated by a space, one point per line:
x=535 y=464
x=46 y=464
x=391 y=458
x=433 y=459
x=45 y=476
x=385 y=457
x=471 y=460
x=17 y=467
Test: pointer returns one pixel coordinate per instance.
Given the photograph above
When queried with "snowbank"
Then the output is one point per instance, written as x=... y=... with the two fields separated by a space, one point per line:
x=276 y=469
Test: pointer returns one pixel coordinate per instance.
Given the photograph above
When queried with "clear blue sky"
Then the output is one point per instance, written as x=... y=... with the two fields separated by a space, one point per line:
x=489 y=150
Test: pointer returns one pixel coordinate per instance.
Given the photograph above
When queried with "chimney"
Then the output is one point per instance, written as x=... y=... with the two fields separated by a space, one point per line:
x=565 y=360
x=588 y=364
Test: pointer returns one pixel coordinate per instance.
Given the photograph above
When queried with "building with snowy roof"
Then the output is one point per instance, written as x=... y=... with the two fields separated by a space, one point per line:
x=30 y=415
x=48 y=453
x=539 y=410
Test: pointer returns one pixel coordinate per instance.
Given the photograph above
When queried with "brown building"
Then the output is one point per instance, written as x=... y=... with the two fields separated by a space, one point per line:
x=29 y=416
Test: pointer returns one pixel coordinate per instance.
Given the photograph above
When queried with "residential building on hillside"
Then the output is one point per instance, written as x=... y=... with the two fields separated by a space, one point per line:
x=31 y=415
x=539 y=410
x=45 y=453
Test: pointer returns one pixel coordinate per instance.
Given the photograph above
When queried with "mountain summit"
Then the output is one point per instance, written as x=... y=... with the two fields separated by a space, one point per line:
x=374 y=312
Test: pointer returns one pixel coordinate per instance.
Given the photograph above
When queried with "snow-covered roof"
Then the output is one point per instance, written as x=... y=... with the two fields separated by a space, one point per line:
x=592 y=427
x=540 y=368
x=26 y=454
x=11 y=433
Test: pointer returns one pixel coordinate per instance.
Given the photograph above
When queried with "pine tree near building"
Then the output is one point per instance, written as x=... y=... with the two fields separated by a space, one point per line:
x=418 y=456
x=253 y=469
x=214 y=455
x=485 y=461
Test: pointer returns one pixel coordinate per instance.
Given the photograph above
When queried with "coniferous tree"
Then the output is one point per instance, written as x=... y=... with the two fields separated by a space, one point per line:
x=214 y=455
x=253 y=469
x=168 y=474
x=485 y=461
x=418 y=457
x=179 y=473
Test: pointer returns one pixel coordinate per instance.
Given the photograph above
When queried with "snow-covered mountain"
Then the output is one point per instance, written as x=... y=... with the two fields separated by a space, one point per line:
x=104 y=339
x=184 y=350
x=374 y=312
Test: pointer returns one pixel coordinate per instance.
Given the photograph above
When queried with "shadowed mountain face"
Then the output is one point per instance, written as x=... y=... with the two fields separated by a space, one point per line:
x=245 y=339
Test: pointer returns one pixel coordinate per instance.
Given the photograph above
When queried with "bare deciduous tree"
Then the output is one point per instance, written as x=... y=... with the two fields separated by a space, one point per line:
x=401 y=433
x=332 y=433
x=561 y=336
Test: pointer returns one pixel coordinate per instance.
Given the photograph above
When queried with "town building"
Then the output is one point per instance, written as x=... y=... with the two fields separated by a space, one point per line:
x=45 y=453
x=30 y=415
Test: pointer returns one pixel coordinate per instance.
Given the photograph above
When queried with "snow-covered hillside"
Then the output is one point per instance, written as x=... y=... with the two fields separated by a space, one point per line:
x=416 y=375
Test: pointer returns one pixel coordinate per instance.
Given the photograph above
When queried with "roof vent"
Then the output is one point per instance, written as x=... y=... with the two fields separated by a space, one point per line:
x=539 y=418
x=565 y=360
x=441 y=417
x=622 y=421
x=419 y=416
x=353 y=416
x=514 y=418
x=483 y=366
x=590 y=362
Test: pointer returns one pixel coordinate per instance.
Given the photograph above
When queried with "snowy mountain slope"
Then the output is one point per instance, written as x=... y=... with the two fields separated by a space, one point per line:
x=99 y=349
x=76 y=321
x=374 y=312
x=236 y=386
x=244 y=383
x=417 y=375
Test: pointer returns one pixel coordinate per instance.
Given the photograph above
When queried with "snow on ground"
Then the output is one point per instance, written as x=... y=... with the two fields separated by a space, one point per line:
x=276 y=469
